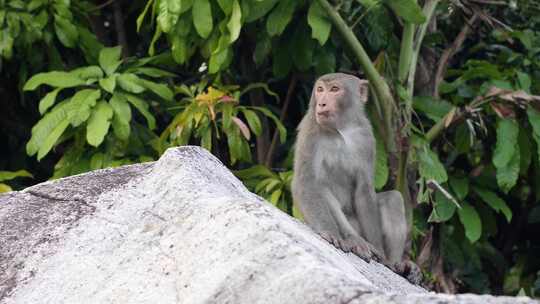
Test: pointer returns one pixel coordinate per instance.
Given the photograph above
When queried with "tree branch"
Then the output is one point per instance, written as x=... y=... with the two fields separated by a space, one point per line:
x=283 y=114
x=451 y=51
x=121 y=36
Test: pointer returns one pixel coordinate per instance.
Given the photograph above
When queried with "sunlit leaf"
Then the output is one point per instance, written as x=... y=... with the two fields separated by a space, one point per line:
x=235 y=23
x=8 y=175
x=99 y=123
x=430 y=167
x=46 y=102
x=202 y=17
x=54 y=79
x=471 y=221
x=318 y=20
x=280 y=17
x=130 y=82
x=110 y=59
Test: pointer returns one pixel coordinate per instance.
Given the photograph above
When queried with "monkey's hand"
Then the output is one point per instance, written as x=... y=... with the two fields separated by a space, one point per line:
x=356 y=245
x=409 y=270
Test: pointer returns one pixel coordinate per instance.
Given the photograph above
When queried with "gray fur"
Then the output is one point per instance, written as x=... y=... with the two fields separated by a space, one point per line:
x=334 y=173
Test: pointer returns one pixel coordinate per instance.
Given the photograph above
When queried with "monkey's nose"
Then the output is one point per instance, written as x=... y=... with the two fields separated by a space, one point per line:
x=322 y=105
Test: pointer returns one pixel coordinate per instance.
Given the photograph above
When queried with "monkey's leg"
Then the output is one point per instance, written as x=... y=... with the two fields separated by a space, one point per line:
x=393 y=223
x=351 y=241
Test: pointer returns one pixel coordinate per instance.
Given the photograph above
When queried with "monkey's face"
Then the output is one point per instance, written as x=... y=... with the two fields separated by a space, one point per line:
x=329 y=98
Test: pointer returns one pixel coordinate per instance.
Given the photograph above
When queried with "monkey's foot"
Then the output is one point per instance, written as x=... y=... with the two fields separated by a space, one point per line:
x=358 y=246
x=410 y=271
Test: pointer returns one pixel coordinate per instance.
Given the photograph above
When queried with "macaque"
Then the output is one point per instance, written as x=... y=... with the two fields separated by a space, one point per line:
x=334 y=174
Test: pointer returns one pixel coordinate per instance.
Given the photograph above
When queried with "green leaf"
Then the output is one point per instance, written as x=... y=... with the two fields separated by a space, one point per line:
x=495 y=202
x=460 y=186
x=202 y=17
x=253 y=121
x=302 y=47
x=507 y=136
x=110 y=59
x=5 y=188
x=281 y=129
x=381 y=163
x=218 y=61
x=259 y=9
x=46 y=125
x=54 y=79
x=47 y=101
x=206 y=140
x=227 y=114
x=162 y=90
x=324 y=61
x=169 y=11
x=430 y=167
x=409 y=10
x=99 y=123
x=122 y=116
x=507 y=176
x=81 y=104
x=471 y=221
x=275 y=196
x=235 y=23
x=534 y=119
x=281 y=60
x=179 y=49
x=280 y=17
x=226 y=6
x=318 y=20
x=108 y=84
x=7 y=175
x=153 y=72
x=142 y=107
x=525 y=149
x=140 y=18
x=524 y=81
x=254 y=172
x=97 y=161
x=130 y=83
x=65 y=31
x=88 y=73
x=51 y=138
x=443 y=209
x=432 y=108
x=262 y=49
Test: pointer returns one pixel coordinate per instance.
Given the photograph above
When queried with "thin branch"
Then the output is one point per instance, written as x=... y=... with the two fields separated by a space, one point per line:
x=283 y=114
x=98 y=7
x=451 y=51
x=121 y=36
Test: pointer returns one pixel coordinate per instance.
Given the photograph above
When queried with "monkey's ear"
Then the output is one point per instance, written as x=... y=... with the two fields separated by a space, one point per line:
x=364 y=90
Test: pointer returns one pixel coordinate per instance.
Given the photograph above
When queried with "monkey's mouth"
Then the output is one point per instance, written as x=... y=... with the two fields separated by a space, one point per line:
x=324 y=114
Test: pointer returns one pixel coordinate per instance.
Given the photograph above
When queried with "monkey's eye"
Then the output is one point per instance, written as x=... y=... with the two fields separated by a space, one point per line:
x=320 y=89
x=334 y=89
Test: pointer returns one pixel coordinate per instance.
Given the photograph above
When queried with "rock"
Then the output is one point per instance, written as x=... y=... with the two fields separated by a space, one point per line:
x=179 y=230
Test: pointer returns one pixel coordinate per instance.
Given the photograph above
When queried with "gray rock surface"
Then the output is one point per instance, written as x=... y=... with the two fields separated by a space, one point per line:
x=179 y=230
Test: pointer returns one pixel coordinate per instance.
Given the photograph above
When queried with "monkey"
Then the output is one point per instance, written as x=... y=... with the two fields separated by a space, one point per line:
x=334 y=174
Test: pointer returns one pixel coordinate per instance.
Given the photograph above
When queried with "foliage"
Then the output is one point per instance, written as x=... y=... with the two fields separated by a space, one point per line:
x=208 y=115
x=100 y=107
x=8 y=175
x=275 y=187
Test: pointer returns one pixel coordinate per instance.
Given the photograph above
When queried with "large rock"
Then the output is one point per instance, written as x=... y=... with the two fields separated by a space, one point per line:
x=180 y=230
